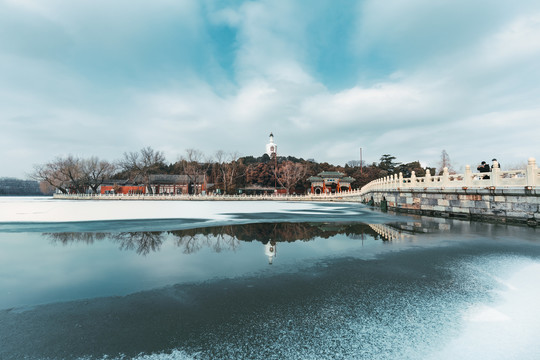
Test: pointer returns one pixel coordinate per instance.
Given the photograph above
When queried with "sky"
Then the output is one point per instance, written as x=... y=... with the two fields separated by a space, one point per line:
x=406 y=78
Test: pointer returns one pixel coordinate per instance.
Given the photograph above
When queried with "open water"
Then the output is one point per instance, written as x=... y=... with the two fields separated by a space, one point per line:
x=340 y=281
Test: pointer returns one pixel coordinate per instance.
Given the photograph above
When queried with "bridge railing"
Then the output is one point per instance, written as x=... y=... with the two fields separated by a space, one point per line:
x=529 y=177
x=274 y=197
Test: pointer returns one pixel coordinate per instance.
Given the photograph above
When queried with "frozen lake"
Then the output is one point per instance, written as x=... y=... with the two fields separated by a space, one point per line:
x=261 y=280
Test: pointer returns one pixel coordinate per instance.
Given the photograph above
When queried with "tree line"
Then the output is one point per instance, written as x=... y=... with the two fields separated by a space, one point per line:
x=17 y=187
x=226 y=170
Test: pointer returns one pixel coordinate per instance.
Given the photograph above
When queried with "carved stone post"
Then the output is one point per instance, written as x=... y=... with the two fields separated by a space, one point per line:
x=445 y=177
x=468 y=175
x=531 y=172
x=428 y=178
x=401 y=184
x=413 y=179
x=495 y=173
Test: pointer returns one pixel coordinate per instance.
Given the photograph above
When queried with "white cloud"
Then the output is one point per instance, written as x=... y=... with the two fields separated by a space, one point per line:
x=518 y=41
x=446 y=78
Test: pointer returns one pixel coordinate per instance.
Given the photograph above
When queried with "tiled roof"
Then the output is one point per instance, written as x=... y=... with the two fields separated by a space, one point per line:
x=158 y=179
x=174 y=179
x=331 y=174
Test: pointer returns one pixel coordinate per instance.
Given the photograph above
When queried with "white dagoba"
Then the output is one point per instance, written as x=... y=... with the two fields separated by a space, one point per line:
x=271 y=147
x=270 y=251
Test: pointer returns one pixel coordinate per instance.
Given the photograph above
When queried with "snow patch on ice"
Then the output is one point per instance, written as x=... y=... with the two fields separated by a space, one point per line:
x=507 y=329
x=50 y=210
x=486 y=314
x=174 y=355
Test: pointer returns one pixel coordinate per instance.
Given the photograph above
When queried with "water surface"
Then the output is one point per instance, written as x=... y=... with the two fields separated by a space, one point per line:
x=338 y=281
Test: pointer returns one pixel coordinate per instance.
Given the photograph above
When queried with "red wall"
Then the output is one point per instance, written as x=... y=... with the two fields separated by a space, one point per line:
x=124 y=189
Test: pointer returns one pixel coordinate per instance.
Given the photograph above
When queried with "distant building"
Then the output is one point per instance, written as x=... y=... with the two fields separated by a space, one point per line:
x=121 y=187
x=271 y=147
x=261 y=190
x=159 y=184
x=330 y=182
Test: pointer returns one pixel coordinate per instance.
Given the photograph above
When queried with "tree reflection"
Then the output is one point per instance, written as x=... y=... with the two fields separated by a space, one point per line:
x=264 y=232
x=142 y=242
x=70 y=237
x=227 y=237
x=193 y=240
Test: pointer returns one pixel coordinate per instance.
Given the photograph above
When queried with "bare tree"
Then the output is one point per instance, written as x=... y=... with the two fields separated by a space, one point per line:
x=72 y=174
x=46 y=188
x=63 y=174
x=229 y=169
x=195 y=166
x=96 y=171
x=49 y=174
x=140 y=165
x=445 y=163
x=71 y=168
x=290 y=174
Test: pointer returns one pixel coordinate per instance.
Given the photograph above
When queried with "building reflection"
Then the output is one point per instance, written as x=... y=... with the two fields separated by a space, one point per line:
x=229 y=237
x=270 y=250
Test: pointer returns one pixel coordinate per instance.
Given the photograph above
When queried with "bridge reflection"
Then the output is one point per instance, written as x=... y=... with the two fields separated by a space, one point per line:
x=229 y=237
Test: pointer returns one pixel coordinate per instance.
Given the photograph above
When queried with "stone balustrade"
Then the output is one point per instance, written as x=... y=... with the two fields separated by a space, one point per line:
x=342 y=196
x=500 y=196
x=527 y=178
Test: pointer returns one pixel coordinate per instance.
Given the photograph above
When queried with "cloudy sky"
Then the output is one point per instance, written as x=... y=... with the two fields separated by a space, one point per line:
x=408 y=78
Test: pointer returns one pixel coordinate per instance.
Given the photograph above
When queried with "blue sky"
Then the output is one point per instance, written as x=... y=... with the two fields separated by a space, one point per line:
x=327 y=77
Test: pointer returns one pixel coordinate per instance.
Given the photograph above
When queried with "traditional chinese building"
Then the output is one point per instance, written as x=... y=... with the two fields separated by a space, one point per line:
x=159 y=184
x=330 y=182
x=123 y=187
x=178 y=184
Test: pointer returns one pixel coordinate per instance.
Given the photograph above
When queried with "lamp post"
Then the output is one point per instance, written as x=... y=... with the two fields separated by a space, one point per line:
x=360 y=160
x=275 y=172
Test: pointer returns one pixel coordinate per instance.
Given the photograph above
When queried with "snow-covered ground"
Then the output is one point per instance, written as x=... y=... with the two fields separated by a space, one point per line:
x=20 y=209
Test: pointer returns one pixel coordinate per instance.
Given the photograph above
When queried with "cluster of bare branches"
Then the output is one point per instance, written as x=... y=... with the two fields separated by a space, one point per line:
x=290 y=173
x=140 y=165
x=228 y=169
x=74 y=174
x=446 y=163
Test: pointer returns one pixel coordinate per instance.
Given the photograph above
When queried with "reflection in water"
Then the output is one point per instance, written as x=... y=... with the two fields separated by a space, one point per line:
x=221 y=238
x=270 y=250
x=143 y=242
x=192 y=241
x=65 y=238
x=390 y=233
x=454 y=289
